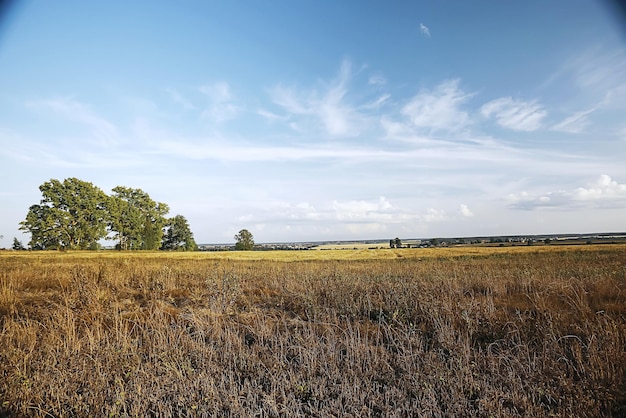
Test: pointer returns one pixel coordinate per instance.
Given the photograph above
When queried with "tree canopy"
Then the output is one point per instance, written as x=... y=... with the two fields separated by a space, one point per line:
x=244 y=240
x=136 y=220
x=71 y=215
x=75 y=214
x=178 y=235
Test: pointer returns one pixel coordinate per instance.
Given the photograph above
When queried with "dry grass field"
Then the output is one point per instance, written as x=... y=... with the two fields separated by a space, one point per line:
x=357 y=333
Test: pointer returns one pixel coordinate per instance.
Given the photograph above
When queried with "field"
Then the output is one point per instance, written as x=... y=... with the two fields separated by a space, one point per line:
x=513 y=331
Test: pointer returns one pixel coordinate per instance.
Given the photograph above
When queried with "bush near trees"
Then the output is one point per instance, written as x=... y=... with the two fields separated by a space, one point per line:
x=75 y=215
x=244 y=240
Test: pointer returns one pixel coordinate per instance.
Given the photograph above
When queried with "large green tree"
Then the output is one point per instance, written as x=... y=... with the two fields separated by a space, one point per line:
x=244 y=240
x=71 y=215
x=178 y=235
x=136 y=220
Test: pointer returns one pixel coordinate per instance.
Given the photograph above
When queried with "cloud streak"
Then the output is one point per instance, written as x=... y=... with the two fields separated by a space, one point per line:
x=80 y=113
x=179 y=99
x=575 y=123
x=221 y=107
x=515 y=114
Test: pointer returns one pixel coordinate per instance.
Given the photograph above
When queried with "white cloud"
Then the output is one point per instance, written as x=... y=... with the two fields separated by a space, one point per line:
x=362 y=210
x=288 y=100
x=604 y=192
x=603 y=188
x=425 y=30
x=178 y=98
x=334 y=115
x=599 y=74
x=434 y=215
x=515 y=114
x=439 y=109
x=378 y=102
x=575 y=123
x=270 y=116
x=75 y=111
x=328 y=106
x=599 y=70
x=377 y=80
x=221 y=102
x=465 y=210
x=218 y=92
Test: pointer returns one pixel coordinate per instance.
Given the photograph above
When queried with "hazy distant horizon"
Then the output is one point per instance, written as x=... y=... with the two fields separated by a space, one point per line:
x=324 y=120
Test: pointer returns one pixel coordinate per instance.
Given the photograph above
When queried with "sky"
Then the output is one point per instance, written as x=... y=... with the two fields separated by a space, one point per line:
x=322 y=120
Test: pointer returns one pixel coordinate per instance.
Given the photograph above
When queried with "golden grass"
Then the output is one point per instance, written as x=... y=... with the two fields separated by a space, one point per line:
x=330 y=252
x=510 y=331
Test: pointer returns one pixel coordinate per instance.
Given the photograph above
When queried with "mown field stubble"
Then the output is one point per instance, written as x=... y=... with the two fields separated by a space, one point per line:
x=447 y=332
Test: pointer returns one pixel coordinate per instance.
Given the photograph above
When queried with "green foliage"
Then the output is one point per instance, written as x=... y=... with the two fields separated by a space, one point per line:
x=74 y=214
x=178 y=235
x=71 y=215
x=136 y=219
x=244 y=240
x=17 y=245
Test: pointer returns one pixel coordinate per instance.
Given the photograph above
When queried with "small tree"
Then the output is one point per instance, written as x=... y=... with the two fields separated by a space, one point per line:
x=244 y=240
x=398 y=242
x=17 y=245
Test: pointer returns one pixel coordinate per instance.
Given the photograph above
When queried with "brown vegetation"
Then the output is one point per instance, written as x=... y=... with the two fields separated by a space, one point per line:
x=493 y=334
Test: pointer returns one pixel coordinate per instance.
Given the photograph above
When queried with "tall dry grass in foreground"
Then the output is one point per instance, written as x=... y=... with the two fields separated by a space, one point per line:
x=528 y=334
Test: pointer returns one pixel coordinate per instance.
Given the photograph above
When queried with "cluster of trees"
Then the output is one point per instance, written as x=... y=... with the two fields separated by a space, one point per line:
x=74 y=214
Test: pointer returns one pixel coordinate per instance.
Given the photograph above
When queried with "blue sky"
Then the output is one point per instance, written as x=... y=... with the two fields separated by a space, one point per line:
x=323 y=120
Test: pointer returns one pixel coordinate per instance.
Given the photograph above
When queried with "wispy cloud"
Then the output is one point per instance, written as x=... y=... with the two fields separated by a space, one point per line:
x=81 y=113
x=515 y=114
x=425 y=30
x=438 y=109
x=604 y=192
x=377 y=103
x=179 y=99
x=271 y=116
x=600 y=70
x=221 y=102
x=599 y=74
x=575 y=123
x=377 y=80
x=328 y=106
